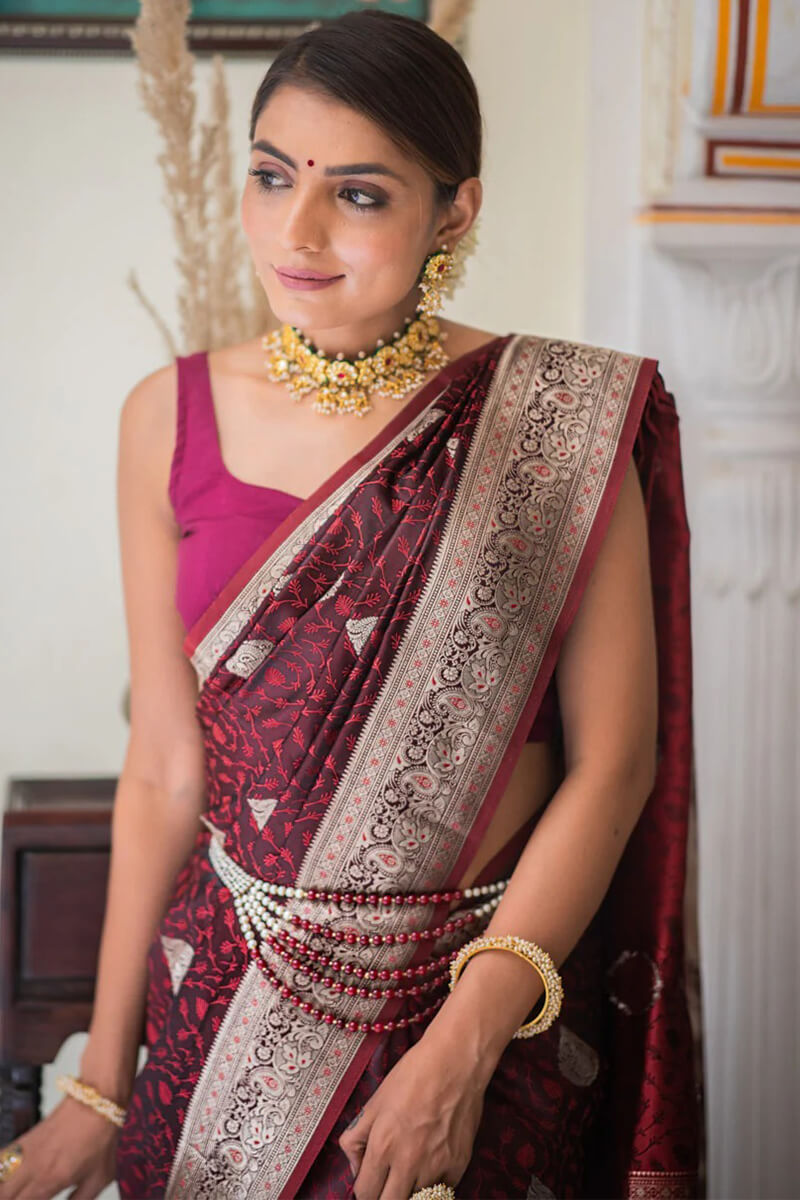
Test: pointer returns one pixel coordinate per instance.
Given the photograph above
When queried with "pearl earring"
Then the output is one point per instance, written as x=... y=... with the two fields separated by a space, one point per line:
x=435 y=271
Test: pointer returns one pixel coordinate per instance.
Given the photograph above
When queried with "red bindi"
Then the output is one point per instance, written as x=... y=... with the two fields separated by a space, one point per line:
x=311 y=162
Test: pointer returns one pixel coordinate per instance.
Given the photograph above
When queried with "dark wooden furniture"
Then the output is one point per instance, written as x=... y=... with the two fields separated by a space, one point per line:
x=53 y=875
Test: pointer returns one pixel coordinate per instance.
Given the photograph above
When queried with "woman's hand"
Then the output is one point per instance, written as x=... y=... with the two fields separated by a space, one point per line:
x=419 y=1126
x=72 y=1147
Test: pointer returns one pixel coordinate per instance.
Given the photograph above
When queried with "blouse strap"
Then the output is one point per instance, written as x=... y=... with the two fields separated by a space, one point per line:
x=197 y=454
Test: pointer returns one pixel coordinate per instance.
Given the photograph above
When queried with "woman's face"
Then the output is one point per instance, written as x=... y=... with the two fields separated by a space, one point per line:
x=328 y=192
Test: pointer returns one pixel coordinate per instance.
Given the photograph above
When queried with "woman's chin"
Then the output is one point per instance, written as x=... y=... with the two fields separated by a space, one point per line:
x=307 y=313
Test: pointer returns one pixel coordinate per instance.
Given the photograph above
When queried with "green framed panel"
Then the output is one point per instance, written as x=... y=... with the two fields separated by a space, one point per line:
x=232 y=26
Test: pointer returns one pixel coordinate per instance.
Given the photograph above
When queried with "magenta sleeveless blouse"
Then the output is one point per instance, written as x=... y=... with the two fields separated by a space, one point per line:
x=223 y=520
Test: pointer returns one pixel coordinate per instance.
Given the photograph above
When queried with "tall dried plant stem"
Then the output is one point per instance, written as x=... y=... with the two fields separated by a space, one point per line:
x=449 y=18
x=227 y=251
x=158 y=320
x=237 y=316
x=166 y=84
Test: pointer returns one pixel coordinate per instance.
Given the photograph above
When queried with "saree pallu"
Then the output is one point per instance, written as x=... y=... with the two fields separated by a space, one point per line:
x=367 y=682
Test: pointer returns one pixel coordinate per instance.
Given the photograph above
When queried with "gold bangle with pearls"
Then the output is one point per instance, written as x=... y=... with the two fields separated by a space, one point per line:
x=90 y=1095
x=538 y=958
x=438 y=1191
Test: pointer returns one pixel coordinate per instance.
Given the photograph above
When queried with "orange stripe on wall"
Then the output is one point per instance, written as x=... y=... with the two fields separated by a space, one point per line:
x=698 y=217
x=760 y=160
x=759 y=56
x=723 y=44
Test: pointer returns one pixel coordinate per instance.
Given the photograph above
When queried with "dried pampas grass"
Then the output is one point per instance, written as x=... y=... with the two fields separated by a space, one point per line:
x=220 y=299
x=449 y=19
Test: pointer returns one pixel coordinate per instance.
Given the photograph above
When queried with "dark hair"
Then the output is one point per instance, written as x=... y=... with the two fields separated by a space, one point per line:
x=399 y=73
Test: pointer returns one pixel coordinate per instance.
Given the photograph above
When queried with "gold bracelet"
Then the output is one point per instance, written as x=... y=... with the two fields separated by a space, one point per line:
x=538 y=958
x=90 y=1095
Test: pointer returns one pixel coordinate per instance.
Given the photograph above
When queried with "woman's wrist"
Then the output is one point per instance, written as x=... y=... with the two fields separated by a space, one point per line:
x=492 y=998
x=111 y=1074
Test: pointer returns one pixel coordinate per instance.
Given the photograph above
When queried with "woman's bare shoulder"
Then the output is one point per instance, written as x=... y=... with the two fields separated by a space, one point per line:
x=150 y=404
x=147 y=429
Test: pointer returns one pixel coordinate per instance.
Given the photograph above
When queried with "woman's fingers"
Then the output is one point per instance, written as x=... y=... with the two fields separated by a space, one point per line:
x=399 y=1182
x=371 y=1177
x=354 y=1140
x=88 y=1190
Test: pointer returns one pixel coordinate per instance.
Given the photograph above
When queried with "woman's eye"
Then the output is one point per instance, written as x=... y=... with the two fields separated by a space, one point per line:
x=371 y=201
x=263 y=178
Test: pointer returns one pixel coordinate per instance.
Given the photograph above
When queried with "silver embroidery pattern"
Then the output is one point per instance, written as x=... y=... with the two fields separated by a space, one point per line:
x=538 y=1190
x=661 y=1185
x=577 y=1060
x=179 y=955
x=249 y=655
x=634 y=1008
x=334 y=588
x=262 y=807
x=426 y=418
x=434 y=738
x=359 y=629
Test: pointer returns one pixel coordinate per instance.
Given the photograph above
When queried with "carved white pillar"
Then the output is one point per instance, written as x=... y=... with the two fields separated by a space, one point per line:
x=735 y=304
x=699 y=266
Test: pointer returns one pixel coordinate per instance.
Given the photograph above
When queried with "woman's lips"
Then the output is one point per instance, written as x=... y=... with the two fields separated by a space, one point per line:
x=305 y=285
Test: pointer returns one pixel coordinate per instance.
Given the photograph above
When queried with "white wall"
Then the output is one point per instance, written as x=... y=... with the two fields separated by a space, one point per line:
x=530 y=61
x=79 y=207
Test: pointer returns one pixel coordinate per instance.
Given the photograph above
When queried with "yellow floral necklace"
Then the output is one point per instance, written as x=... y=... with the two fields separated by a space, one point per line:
x=393 y=368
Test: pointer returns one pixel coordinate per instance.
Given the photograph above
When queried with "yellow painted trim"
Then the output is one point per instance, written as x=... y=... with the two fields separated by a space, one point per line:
x=776 y=108
x=760 y=42
x=723 y=46
x=760 y=160
x=711 y=217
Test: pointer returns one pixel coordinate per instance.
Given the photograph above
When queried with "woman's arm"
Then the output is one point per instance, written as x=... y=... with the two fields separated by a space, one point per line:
x=154 y=823
x=160 y=791
x=420 y=1123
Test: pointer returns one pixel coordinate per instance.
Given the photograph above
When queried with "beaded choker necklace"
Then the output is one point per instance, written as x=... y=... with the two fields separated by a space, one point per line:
x=394 y=368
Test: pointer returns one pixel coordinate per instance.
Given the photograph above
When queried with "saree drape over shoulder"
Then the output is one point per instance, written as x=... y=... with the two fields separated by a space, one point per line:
x=368 y=679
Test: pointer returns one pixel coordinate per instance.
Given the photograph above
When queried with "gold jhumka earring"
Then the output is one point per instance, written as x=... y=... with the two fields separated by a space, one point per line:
x=393 y=368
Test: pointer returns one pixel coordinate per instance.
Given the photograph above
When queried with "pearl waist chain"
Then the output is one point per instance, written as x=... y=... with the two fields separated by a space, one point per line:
x=269 y=925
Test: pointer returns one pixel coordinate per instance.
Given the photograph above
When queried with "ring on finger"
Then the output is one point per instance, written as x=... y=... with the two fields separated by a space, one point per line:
x=10 y=1159
x=437 y=1191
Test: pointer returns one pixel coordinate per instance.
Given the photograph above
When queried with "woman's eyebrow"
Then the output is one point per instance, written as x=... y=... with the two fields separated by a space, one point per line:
x=364 y=168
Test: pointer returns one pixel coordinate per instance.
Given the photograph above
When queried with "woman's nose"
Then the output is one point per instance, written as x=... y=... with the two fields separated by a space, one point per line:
x=303 y=225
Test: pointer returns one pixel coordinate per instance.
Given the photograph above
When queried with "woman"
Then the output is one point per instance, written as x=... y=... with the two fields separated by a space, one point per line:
x=440 y=665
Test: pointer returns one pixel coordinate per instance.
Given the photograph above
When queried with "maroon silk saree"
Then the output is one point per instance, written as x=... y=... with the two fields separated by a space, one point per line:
x=368 y=679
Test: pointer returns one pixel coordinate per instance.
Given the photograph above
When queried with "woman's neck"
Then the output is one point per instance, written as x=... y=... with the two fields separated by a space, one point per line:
x=350 y=340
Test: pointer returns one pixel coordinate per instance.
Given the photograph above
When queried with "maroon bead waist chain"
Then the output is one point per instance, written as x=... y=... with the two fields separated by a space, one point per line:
x=263 y=920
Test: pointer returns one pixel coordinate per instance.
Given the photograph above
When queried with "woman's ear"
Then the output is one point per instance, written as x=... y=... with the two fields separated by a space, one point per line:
x=461 y=213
